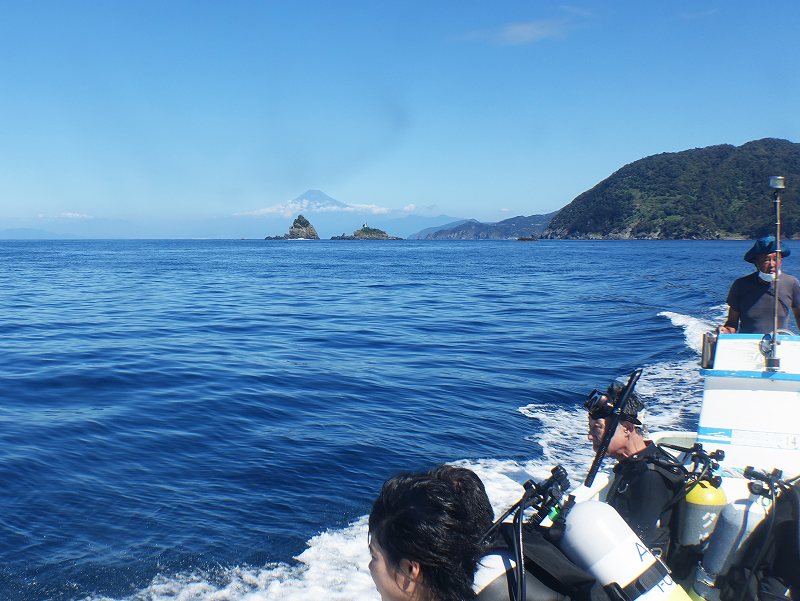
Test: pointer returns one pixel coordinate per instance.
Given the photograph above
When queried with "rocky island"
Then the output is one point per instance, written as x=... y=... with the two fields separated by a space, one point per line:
x=367 y=233
x=301 y=230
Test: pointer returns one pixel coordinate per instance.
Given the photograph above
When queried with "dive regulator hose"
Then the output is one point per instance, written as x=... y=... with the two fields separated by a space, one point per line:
x=544 y=497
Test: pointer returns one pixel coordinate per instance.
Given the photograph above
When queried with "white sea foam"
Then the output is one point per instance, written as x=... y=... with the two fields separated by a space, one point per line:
x=334 y=565
x=693 y=328
x=561 y=432
x=672 y=392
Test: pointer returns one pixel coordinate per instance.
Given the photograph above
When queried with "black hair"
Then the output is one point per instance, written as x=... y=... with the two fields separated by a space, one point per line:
x=633 y=405
x=478 y=512
x=422 y=518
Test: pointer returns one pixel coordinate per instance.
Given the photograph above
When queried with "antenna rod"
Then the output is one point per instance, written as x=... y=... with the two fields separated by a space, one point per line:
x=776 y=182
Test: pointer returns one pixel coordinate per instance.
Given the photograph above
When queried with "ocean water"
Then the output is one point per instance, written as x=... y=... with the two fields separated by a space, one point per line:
x=211 y=420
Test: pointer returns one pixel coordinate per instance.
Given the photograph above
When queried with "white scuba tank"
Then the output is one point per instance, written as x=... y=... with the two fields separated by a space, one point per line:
x=597 y=539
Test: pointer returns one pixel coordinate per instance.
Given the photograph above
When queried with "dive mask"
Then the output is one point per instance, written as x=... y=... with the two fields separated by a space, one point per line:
x=599 y=407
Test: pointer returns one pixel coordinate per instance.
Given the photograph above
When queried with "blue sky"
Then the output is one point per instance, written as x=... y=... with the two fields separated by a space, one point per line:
x=172 y=111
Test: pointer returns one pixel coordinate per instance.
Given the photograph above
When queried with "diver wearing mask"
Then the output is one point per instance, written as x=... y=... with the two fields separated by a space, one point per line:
x=751 y=299
x=646 y=478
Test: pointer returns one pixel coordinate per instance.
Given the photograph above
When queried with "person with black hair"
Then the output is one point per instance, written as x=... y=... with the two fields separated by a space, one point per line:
x=646 y=478
x=423 y=545
x=469 y=488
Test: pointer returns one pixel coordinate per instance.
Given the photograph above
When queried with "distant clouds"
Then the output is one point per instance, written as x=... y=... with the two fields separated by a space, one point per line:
x=293 y=207
x=316 y=201
x=70 y=215
x=529 y=32
x=515 y=34
x=374 y=209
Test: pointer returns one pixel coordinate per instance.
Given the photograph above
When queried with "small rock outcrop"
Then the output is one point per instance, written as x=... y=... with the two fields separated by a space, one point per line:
x=301 y=230
x=367 y=233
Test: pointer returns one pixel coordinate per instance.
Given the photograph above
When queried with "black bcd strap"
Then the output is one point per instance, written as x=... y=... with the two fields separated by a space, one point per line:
x=549 y=565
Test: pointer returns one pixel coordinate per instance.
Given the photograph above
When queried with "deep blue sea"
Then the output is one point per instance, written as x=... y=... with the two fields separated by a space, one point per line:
x=186 y=420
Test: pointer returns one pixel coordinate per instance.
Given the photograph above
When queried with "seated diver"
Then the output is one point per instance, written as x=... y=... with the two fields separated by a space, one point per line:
x=423 y=544
x=646 y=478
x=751 y=298
x=443 y=515
x=549 y=575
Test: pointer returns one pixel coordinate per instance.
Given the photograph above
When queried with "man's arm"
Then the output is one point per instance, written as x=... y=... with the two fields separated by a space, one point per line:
x=796 y=311
x=732 y=323
x=796 y=302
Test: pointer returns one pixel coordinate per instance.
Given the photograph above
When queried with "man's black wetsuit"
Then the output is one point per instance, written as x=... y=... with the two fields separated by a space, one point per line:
x=643 y=486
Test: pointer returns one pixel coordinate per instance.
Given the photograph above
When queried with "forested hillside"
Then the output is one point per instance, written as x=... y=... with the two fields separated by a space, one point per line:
x=714 y=192
x=508 y=229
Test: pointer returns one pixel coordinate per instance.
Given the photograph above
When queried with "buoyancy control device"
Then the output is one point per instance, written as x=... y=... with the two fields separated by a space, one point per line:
x=522 y=563
x=588 y=553
x=767 y=566
x=549 y=575
x=697 y=506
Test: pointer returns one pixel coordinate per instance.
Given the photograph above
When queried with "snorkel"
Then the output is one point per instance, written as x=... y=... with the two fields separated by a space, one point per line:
x=612 y=421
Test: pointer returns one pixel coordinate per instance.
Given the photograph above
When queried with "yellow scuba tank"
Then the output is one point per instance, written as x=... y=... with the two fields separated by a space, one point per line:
x=698 y=513
x=598 y=540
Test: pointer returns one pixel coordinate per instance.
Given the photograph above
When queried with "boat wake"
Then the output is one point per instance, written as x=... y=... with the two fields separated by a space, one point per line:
x=694 y=327
x=672 y=392
x=334 y=564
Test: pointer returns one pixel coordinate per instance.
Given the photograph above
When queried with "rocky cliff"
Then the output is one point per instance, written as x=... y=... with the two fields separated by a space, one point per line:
x=301 y=230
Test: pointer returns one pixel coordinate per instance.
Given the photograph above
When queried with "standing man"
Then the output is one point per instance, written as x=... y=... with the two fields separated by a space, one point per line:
x=752 y=298
x=646 y=478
